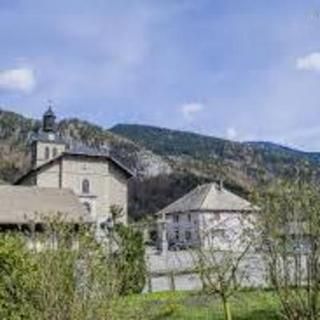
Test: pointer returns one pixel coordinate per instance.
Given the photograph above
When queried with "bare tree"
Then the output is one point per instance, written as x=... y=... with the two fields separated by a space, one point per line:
x=223 y=257
x=291 y=228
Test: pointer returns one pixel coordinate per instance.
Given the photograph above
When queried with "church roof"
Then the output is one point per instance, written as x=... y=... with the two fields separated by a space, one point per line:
x=49 y=112
x=77 y=153
x=20 y=204
x=81 y=149
x=208 y=197
x=44 y=136
x=98 y=154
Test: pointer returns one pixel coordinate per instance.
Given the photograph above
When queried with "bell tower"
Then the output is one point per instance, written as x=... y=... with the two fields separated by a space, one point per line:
x=49 y=121
x=47 y=143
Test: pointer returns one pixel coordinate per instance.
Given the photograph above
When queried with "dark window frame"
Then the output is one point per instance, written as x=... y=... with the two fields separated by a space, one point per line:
x=87 y=205
x=85 y=187
x=47 y=153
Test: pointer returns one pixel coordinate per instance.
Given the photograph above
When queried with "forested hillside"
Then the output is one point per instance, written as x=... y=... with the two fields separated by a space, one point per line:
x=248 y=162
x=167 y=163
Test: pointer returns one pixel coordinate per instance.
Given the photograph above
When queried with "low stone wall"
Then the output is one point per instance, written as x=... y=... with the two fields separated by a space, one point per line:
x=171 y=282
x=175 y=271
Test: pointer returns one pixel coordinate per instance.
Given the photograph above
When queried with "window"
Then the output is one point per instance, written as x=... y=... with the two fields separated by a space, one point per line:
x=188 y=235
x=54 y=152
x=87 y=206
x=176 y=218
x=47 y=153
x=189 y=217
x=85 y=186
x=177 y=234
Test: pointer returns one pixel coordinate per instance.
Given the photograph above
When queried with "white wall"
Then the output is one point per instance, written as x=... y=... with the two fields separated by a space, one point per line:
x=49 y=177
x=219 y=229
x=40 y=151
x=227 y=230
x=177 y=230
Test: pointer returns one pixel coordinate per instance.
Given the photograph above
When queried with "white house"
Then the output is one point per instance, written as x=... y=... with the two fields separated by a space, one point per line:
x=206 y=216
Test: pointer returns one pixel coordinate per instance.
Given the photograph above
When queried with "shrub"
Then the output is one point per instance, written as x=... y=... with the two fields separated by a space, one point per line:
x=17 y=275
x=72 y=276
x=130 y=260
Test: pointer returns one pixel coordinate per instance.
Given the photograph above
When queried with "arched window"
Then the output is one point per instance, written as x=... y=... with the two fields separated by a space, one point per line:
x=87 y=206
x=85 y=186
x=54 y=152
x=47 y=153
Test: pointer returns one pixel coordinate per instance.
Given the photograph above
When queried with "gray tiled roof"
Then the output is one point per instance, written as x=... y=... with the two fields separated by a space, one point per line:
x=46 y=137
x=18 y=204
x=78 y=153
x=90 y=152
x=83 y=149
x=208 y=197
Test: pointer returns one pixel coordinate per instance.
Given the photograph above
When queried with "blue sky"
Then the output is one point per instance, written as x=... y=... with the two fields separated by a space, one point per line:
x=245 y=70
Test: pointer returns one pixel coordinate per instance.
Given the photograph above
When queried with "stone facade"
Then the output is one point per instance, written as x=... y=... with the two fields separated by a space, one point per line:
x=42 y=152
x=107 y=186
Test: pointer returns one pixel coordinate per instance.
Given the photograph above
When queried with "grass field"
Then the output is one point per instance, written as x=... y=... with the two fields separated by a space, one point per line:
x=251 y=305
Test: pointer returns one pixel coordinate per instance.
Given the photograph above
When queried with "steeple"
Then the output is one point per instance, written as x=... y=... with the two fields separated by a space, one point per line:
x=47 y=143
x=48 y=121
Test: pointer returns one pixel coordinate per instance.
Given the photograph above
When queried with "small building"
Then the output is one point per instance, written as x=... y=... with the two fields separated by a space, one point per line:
x=29 y=209
x=208 y=215
x=97 y=179
x=21 y=205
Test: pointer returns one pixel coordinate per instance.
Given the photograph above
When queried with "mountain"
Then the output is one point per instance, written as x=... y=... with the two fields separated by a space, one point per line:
x=168 y=163
x=245 y=164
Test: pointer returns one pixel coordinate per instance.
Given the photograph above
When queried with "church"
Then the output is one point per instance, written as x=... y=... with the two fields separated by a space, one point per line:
x=68 y=179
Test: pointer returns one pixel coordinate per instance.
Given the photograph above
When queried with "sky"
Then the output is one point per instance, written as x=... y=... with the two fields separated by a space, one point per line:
x=242 y=70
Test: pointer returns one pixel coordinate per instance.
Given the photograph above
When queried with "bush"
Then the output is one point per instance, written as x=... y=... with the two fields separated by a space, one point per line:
x=17 y=274
x=130 y=260
x=72 y=276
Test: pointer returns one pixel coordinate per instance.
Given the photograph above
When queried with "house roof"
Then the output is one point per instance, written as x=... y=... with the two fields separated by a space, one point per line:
x=208 y=197
x=76 y=153
x=20 y=204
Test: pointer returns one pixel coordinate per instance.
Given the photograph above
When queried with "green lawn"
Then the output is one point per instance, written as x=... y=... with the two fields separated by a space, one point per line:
x=255 y=305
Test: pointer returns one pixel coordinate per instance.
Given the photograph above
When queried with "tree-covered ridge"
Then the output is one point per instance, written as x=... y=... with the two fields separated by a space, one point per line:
x=176 y=143
x=173 y=142
x=168 y=163
x=250 y=162
x=14 y=134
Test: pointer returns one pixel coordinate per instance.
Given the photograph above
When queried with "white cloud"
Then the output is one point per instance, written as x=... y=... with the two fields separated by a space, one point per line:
x=310 y=62
x=232 y=133
x=20 y=79
x=189 y=110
